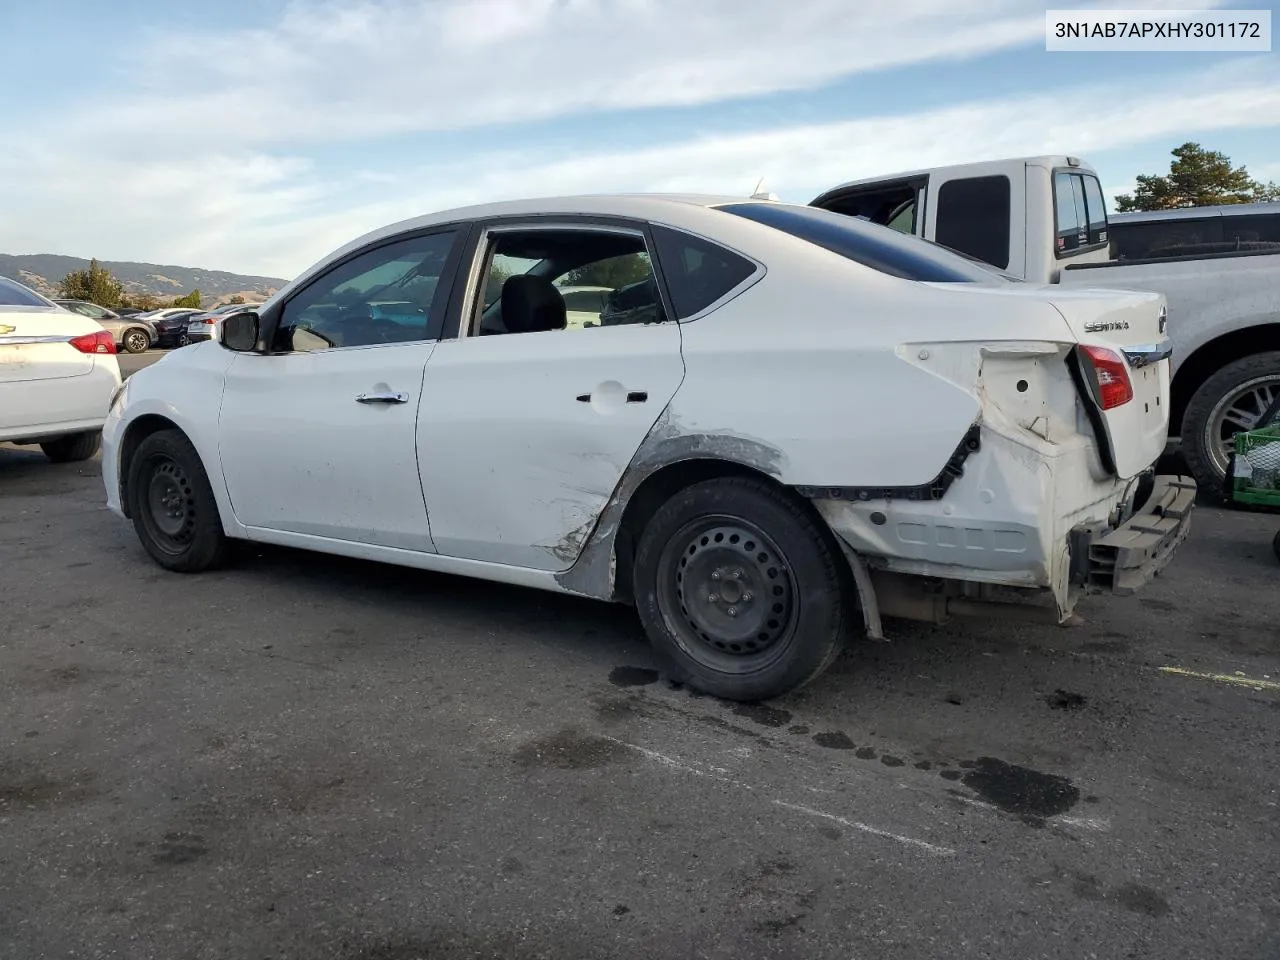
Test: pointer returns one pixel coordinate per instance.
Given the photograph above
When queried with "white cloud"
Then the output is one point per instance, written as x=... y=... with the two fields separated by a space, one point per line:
x=343 y=71
x=228 y=201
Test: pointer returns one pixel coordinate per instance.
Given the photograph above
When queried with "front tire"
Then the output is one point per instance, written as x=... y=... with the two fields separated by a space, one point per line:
x=172 y=505
x=740 y=590
x=1226 y=404
x=136 y=340
x=74 y=447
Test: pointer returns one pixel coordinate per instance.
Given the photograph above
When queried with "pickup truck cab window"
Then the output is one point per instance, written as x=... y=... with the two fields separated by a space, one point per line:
x=974 y=217
x=1080 y=213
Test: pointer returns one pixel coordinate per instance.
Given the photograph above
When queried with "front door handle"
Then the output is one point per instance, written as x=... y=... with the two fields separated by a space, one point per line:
x=383 y=398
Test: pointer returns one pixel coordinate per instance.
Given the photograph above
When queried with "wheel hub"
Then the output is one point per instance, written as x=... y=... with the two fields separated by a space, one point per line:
x=733 y=591
x=168 y=497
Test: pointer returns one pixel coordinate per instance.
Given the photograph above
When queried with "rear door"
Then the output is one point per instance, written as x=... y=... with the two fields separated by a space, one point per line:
x=526 y=425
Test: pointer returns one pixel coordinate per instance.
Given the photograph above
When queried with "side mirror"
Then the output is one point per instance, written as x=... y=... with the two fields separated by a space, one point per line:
x=238 y=331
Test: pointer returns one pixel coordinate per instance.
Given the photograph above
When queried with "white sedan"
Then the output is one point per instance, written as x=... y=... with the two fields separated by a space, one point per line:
x=790 y=416
x=58 y=370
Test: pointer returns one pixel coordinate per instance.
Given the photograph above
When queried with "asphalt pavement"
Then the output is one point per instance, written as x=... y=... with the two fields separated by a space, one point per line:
x=320 y=759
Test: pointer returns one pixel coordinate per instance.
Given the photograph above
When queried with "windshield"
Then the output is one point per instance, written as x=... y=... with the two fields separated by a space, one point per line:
x=872 y=245
x=14 y=294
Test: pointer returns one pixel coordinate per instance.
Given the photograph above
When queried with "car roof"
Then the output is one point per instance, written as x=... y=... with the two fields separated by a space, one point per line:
x=659 y=207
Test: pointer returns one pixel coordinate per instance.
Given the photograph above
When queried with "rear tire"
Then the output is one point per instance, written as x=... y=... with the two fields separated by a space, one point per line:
x=1205 y=432
x=136 y=340
x=1275 y=545
x=740 y=590
x=172 y=505
x=74 y=447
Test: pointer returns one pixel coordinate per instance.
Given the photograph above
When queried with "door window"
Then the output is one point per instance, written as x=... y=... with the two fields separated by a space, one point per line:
x=389 y=294
x=532 y=278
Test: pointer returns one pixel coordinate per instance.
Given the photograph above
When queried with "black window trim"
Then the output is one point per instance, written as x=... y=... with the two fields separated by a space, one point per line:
x=463 y=314
x=269 y=319
x=1053 y=188
x=757 y=274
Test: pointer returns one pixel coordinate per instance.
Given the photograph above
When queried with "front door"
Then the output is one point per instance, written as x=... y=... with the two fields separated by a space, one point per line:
x=528 y=423
x=318 y=437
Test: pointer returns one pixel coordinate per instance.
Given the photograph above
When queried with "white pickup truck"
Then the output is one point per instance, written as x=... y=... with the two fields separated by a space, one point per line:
x=1044 y=220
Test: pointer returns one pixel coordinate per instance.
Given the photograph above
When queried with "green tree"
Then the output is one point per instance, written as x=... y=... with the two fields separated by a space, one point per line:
x=192 y=299
x=96 y=284
x=1196 y=178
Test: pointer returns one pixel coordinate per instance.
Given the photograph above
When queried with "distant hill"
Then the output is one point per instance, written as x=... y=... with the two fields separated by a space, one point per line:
x=44 y=271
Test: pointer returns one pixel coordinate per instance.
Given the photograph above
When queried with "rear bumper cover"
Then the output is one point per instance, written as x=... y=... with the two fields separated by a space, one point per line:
x=1122 y=559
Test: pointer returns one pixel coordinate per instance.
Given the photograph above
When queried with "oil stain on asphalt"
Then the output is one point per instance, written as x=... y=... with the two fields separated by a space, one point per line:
x=570 y=750
x=1019 y=790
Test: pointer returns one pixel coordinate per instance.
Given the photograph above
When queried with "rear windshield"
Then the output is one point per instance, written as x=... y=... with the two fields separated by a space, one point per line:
x=16 y=295
x=872 y=245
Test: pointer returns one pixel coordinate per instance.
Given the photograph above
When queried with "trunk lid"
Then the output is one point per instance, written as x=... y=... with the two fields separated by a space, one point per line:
x=34 y=344
x=1133 y=327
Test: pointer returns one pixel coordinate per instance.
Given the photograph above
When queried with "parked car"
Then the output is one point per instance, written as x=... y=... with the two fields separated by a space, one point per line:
x=171 y=325
x=200 y=326
x=817 y=414
x=583 y=304
x=58 y=371
x=129 y=311
x=132 y=334
x=1044 y=219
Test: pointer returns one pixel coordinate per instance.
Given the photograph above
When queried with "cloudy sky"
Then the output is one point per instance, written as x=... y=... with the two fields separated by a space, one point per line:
x=256 y=135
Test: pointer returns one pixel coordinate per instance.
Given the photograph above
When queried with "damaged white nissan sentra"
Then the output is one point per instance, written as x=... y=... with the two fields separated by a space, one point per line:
x=781 y=420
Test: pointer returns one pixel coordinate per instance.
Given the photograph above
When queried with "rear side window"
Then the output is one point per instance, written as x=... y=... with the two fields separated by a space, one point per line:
x=973 y=217
x=1167 y=238
x=1262 y=228
x=16 y=295
x=1080 y=212
x=877 y=247
x=698 y=272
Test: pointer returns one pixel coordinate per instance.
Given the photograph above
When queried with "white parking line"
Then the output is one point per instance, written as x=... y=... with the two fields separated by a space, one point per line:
x=699 y=771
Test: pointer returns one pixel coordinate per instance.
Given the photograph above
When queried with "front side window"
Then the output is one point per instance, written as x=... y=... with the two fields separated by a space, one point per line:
x=698 y=272
x=384 y=295
x=533 y=279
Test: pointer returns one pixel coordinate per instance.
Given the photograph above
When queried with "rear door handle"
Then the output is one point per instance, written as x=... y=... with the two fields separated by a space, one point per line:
x=383 y=398
x=635 y=396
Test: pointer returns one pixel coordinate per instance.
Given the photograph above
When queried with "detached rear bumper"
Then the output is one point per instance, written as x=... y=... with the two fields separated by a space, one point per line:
x=1123 y=559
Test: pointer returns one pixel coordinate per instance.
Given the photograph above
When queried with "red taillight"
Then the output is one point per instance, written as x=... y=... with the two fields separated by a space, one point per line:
x=100 y=342
x=1111 y=376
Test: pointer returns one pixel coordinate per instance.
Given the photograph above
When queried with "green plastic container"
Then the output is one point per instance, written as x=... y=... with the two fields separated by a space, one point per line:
x=1254 y=476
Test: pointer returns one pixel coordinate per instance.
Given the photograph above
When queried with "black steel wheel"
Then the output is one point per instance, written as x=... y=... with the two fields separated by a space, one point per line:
x=740 y=589
x=172 y=505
